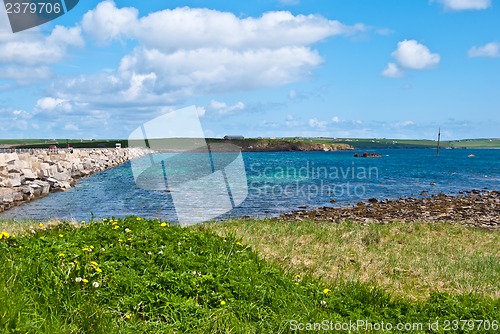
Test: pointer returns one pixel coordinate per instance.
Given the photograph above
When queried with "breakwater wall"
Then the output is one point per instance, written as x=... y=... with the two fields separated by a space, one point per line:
x=27 y=175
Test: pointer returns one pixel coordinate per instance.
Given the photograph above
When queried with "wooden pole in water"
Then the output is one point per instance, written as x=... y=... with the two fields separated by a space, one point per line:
x=439 y=142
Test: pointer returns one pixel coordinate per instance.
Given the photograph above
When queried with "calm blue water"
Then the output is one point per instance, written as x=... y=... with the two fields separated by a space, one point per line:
x=284 y=181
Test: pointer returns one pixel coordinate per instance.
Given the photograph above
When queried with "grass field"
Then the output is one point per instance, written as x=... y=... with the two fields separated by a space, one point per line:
x=413 y=143
x=137 y=276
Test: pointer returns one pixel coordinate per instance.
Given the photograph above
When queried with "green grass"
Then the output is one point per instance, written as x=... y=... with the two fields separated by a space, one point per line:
x=157 y=278
x=410 y=260
x=414 y=143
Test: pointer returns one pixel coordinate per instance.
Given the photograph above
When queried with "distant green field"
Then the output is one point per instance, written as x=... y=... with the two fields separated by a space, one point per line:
x=355 y=142
x=61 y=143
x=411 y=143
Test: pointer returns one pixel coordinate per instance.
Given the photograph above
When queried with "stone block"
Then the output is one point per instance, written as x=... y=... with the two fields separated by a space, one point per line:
x=15 y=179
x=6 y=195
x=28 y=174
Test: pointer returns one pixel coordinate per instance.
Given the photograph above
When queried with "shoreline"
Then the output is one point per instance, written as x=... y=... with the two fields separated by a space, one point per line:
x=27 y=176
x=478 y=208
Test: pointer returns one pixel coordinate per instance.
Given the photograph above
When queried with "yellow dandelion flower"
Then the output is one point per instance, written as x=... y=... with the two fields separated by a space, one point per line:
x=21 y=247
x=114 y=223
x=93 y=264
x=127 y=230
x=62 y=255
x=163 y=224
x=98 y=270
x=327 y=291
x=222 y=303
x=61 y=235
x=85 y=249
x=239 y=243
x=84 y=280
x=5 y=235
x=41 y=225
x=120 y=240
x=116 y=227
x=129 y=239
x=138 y=219
x=127 y=316
x=91 y=247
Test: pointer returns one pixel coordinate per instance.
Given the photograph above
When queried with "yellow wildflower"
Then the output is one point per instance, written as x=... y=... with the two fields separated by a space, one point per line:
x=91 y=247
x=116 y=227
x=5 y=235
x=120 y=240
x=84 y=280
x=105 y=220
x=41 y=225
x=327 y=291
x=62 y=255
x=127 y=316
x=98 y=270
x=61 y=235
x=93 y=264
x=138 y=219
x=163 y=224
x=129 y=239
x=239 y=243
x=85 y=249
x=127 y=230
x=222 y=303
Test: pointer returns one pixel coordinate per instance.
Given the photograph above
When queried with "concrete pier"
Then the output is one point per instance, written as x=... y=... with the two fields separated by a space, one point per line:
x=32 y=174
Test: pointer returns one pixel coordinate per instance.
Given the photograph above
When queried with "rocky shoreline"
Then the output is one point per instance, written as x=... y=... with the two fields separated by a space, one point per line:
x=30 y=175
x=475 y=208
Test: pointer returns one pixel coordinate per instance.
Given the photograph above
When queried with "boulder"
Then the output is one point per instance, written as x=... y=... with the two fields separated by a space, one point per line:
x=28 y=174
x=6 y=195
x=44 y=185
x=15 y=179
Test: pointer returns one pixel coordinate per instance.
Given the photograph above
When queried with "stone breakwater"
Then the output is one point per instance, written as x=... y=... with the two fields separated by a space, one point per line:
x=30 y=175
x=475 y=208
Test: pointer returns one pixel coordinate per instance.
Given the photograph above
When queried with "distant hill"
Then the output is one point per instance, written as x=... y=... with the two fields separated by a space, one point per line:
x=268 y=144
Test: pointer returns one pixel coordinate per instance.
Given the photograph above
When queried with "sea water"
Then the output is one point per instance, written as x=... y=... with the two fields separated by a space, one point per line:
x=280 y=182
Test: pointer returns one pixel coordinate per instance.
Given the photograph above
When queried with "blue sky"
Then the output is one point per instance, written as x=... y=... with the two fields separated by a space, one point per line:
x=358 y=68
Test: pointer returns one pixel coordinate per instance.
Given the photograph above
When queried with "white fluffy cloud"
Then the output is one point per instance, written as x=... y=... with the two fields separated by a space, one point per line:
x=185 y=52
x=491 y=50
x=412 y=55
x=223 y=108
x=33 y=48
x=316 y=123
x=335 y=119
x=106 y=22
x=50 y=103
x=195 y=28
x=393 y=71
x=25 y=56
x=466 y=4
